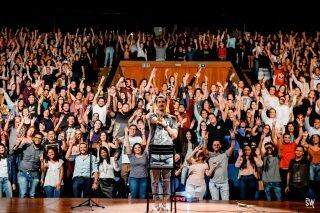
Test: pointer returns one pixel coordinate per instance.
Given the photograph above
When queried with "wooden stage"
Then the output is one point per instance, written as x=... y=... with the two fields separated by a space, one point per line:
x=40 y=205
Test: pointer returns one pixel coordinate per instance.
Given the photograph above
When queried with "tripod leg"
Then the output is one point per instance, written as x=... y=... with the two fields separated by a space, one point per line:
x=85 y=203
x=93 y=203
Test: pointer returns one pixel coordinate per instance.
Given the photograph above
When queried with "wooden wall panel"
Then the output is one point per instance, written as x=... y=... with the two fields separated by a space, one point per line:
x=138 y=70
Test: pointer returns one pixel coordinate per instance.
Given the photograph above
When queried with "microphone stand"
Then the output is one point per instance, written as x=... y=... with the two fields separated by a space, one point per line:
x=89 y=202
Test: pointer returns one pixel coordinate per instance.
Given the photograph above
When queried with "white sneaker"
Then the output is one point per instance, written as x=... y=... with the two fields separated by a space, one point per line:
x=155 y=208
x=165 y=208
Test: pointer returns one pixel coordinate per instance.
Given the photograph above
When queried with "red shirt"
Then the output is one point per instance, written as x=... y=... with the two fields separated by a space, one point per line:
x=280 y=77
x=287 y=151
x=222 y=52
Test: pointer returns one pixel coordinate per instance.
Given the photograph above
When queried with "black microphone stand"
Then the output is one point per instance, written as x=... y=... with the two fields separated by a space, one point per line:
x=89 y=202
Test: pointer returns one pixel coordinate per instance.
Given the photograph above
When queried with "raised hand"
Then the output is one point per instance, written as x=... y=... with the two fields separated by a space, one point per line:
x=232 y=134
x=309 y=111
x=240 y=152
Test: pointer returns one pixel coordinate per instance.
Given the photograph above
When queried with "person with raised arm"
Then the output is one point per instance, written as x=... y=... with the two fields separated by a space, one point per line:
x=218 y=172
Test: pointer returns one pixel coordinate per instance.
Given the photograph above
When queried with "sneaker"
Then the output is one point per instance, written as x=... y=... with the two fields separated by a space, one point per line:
x=165 y=208
x=155 y=208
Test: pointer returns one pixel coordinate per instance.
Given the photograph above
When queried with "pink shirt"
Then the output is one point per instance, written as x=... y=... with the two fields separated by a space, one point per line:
x=196 y=174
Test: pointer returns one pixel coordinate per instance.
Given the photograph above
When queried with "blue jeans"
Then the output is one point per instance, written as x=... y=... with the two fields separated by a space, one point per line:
x=138 y=187
x=176 y=184
x=248 y=187
x=5 y=186
x=315 y=172
x=81 y=185
x=109 y=56
x=52 y=192
x=276 y=187
x=28 y=183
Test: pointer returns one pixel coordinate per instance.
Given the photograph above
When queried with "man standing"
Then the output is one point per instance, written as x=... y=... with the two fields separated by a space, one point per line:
x=82 y=181
x=218 y=172
x=29 y=165
x=163 y=130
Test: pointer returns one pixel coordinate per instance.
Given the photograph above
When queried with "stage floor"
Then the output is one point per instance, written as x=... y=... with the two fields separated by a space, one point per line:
x=40 y=205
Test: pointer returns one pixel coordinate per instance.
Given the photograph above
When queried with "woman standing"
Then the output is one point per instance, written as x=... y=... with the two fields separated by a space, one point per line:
x=52 y=174
x=314 y=153
x=106 y=167
x=196 y=185
x=248 y=164
x=138 y=173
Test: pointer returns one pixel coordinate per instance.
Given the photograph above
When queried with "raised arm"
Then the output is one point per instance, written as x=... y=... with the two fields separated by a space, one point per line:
x=231 y=148
x=152 y=75
x=126 y=142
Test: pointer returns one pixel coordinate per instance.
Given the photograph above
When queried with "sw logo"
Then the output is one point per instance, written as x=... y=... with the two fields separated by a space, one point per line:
x=310 y=203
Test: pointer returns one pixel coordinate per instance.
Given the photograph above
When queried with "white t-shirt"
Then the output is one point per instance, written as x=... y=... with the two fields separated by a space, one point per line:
x=53 y=173
x=4 y=168
x=107 y=170
x=102 y=111
x=283 y=114
x=132 y=141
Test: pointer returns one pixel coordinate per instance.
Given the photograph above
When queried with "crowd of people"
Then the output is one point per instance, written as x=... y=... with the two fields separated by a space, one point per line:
x=232 y=141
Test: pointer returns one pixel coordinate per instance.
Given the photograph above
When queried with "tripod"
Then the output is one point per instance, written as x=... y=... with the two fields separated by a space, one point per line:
x=89 y=202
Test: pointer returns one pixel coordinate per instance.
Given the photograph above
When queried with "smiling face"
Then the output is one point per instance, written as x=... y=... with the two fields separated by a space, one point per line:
x=37 y=139
x=137 y=149
x=247 y=150
x=83 y=148
x=103 y=154
x=286 y=138
x=51 y=154
x=216 y=145
x=299 y=152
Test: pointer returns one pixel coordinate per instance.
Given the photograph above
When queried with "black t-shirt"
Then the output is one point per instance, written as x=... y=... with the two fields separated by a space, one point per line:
x=264 y=61
x=299 y=171
x=49 y=79
x=170 y=53
x=247 y=140
x=215 y=133
x=180 y=56
x=77 y=70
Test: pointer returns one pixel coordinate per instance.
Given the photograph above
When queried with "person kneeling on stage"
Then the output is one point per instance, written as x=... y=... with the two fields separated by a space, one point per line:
x=163 y=130
x=82 y=182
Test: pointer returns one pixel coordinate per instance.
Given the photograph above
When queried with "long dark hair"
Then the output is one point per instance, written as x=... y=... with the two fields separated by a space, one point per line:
x=5 y=152
x=55 y=150
x=108 y=155
x=295 y=131
x=251 y=159
x=194 y=139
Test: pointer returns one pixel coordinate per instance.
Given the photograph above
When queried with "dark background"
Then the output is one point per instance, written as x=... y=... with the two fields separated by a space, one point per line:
x=251 y=15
